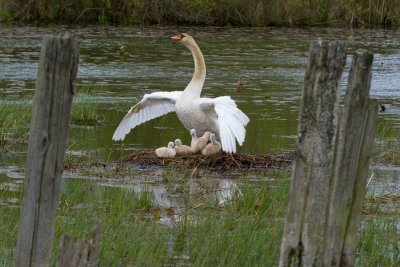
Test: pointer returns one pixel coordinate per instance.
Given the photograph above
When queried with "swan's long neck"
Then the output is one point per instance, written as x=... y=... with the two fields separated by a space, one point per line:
x=196 y=84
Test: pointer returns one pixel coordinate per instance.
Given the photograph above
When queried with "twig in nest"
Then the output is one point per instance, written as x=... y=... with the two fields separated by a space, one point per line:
x=235 y=160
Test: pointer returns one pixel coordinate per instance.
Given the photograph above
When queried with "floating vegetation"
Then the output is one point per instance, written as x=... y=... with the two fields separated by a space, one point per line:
x=221 y=160
x=177 y=168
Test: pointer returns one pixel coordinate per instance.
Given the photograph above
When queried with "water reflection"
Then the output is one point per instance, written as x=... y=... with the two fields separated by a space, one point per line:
x=173 y=196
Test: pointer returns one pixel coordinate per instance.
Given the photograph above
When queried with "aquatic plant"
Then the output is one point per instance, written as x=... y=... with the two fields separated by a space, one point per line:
x=85 y=109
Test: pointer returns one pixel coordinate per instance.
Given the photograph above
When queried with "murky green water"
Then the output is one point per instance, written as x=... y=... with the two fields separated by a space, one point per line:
x=269 y=61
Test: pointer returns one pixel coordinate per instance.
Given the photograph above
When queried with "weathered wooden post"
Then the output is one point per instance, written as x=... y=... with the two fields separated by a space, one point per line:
x=79 y=254
x=314 y=153
x=47 y=142
x=360 y=186
x=356 y=135
x=330 y=166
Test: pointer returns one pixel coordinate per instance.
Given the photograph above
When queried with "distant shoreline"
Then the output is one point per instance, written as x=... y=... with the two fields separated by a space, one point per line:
x=286 y=13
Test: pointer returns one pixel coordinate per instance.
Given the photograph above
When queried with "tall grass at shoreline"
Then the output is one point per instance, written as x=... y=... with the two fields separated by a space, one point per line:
x=206 y=12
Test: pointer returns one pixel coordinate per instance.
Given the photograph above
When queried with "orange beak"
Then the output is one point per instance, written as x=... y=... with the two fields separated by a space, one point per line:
x=178 y=37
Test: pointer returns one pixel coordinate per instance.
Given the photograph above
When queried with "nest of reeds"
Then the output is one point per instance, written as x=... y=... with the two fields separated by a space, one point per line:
x=218 y=161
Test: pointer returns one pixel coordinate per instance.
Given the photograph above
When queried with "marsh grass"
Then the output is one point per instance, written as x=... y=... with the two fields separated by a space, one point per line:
x=248 y=226
x=378 y=242
x=387 y=204
x=9 y=216
x=245 y=230
x=125 y=216
x=14 y=120
x=387 y=149
x=15 y=116
x=85 y=109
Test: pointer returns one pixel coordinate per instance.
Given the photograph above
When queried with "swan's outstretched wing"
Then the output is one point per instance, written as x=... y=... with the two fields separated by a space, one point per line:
x=231 y=120
x=151 y=106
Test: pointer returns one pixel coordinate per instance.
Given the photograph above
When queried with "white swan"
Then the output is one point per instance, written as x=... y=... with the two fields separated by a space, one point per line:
x=213 y=147
x=182 y=149
x=201 y=142
x=219 y=115
x=166 y=152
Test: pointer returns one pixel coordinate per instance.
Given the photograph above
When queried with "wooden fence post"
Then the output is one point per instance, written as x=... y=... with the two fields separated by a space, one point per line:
x=49 y=127
x=314 y=153
x=360 y=186
x=357 y=130
x=79 y=254
x=331 y=161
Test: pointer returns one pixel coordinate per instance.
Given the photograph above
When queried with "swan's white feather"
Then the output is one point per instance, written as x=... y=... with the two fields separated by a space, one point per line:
x=231 y=120
x=151 y=106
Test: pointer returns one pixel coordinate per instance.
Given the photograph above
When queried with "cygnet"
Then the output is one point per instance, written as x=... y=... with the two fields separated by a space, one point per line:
x=201 y=142
x=194 y=137
x=213 y=147
x=182 y=149
x=166 y=152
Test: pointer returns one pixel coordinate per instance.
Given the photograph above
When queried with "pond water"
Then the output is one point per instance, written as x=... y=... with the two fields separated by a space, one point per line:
x=269 y=61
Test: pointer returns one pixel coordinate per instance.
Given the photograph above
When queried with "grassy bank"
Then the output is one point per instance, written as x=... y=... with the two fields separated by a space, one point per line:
x=243 y=231
x=206 y=12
